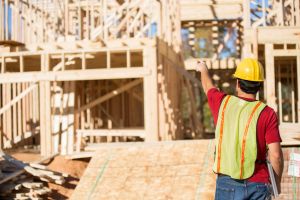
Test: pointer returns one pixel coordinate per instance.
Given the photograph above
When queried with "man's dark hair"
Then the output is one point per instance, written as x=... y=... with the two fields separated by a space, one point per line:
x=250 y=87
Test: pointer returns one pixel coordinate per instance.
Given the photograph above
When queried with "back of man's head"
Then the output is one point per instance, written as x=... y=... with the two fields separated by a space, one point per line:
x=249 y=87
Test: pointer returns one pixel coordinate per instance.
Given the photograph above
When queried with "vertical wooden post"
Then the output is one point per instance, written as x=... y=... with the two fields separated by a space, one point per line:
x=270 y=76
x=105 y=17
x=62 y=61
x=15 y=125
x=27 y=113
x=3 y=69
x=297 y=12
x=246 y=14
x=298 y=79
x=151 y=95
x=1 y=116
x=108 y=60
x=281 y=14
x=6 y=20
x=56 y=98
x=66 y=18
x=255 y=43
x=83 y=61
x=80 y=22
x=128 y=60
x=92 y=19
x=20 y=111
x=21 y=63
x=43 y=142
x=24 y=110
x=45 y=111
x=9 y=113
x=4 y=118
x=48 y=118
x=1 y=21
x=87 y=20
x=64 y=119
x=71 y=109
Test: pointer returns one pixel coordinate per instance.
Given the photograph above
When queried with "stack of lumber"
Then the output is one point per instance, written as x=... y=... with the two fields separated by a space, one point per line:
x=150 y=170
x=19 y=180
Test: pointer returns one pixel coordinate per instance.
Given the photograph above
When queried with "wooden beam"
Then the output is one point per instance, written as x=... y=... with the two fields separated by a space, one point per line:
x=1 y=21
x=6 y=20
x=298 y=78
x=285 y=52
x=14 y=113
x=272 y=35
x=71 y=113
x=112 y=132
x=43 y=122
x=73 y=75
x=64 y=118
x=270 y=76
x=151 y=96
x=200 y=12
x=56 y=118
x=229 y=63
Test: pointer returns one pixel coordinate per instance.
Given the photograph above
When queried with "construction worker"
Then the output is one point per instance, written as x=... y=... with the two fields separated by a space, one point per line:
x=246 y=130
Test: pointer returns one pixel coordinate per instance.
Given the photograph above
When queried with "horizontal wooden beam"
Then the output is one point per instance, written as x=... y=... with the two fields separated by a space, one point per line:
x=285 y=52
x=113 y=132
x=279 y=35
x=76 y=75
x=230 y=63
x=196 y=11
x=210 y=2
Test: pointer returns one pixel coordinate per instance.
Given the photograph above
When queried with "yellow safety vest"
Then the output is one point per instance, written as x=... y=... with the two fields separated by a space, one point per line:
x=236 y=149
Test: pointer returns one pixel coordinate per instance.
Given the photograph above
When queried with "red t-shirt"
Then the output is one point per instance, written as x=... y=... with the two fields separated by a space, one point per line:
x=267 y=132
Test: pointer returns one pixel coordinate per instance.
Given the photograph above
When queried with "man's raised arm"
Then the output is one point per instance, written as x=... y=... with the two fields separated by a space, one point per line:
x=206 y=80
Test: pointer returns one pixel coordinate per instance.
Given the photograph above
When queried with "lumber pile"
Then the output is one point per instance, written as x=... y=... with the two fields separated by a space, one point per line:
x=19 y=180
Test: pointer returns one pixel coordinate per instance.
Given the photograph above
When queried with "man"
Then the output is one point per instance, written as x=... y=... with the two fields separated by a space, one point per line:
x=246 y=130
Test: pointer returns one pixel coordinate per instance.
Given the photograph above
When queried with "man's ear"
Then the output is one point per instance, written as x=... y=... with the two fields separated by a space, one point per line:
x=237 y=84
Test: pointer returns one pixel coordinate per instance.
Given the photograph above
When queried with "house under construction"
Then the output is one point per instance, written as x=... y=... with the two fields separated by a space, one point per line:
x=80 y=72
x=75 y=74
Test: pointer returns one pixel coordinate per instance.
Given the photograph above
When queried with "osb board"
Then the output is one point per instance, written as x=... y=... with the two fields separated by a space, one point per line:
x=160 y=170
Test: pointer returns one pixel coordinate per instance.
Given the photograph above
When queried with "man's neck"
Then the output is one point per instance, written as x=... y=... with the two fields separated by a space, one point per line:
x=246 y=95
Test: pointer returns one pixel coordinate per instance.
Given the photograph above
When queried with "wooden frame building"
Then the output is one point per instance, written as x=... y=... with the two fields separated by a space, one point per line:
x=82 y=72
x=75 y=73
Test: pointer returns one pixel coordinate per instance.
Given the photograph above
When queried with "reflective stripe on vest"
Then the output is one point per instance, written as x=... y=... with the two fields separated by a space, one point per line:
x=236 y=137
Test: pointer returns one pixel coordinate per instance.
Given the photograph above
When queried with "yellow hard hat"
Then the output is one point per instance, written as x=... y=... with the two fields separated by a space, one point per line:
x=249 y=69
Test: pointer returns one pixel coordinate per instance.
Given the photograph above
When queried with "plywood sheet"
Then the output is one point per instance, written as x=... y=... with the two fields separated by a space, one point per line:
x=156 y=170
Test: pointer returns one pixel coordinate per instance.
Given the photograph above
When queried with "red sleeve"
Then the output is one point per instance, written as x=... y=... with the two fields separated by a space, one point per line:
x=272 y=129
x=214 y=98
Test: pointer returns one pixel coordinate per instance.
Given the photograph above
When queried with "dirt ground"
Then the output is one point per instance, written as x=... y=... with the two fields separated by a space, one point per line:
x=75 y=168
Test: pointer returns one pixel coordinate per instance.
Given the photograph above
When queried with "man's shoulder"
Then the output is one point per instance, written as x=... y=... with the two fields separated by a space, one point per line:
x=269 y=110
x=215 y=92
x=268 y=113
